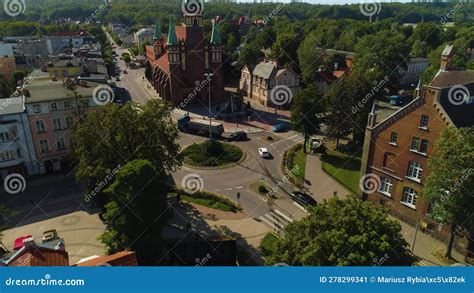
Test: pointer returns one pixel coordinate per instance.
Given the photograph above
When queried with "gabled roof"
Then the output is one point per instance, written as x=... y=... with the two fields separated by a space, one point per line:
x=32 y=254
x=122 y=258
x=462 y=115
x=265 y=69
x=453 y=77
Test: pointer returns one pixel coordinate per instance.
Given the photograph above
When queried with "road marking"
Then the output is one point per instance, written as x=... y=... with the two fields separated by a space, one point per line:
x=217 y=190
x=228 y=189
x=292 y=136
x=300 y=207
x=283 y=215
x=239 y=187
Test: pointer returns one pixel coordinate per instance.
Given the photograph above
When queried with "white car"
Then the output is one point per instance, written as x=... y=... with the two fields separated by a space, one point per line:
x=263 y=152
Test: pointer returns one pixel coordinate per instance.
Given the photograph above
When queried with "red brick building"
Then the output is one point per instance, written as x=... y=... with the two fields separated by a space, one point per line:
x=397 y=146
x=180 y=60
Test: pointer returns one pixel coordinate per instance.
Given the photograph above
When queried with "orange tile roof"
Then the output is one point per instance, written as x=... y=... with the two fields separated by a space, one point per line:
x=122 y=258
x=41 y=257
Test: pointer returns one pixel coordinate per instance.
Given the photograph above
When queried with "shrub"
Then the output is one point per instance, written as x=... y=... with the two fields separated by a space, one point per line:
x=212 y=153
x=262 y=189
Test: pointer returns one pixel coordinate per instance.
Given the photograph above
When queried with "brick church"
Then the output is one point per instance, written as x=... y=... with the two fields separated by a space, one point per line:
x=181 y=59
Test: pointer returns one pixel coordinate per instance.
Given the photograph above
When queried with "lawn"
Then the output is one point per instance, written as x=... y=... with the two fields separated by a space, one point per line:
x=210 y=200
x=296 y=161
x=344 y=168
x=212 y=154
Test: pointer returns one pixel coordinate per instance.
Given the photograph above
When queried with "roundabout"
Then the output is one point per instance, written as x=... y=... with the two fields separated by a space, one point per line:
x=212 y=154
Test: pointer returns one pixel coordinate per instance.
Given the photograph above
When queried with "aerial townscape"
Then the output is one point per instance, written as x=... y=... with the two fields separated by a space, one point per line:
x=236 y=133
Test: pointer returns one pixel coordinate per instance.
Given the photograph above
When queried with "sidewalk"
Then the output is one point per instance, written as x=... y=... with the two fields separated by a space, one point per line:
x=322 y=186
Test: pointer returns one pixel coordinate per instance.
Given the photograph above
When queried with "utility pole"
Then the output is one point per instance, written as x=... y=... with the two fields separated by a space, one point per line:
x=209 y=78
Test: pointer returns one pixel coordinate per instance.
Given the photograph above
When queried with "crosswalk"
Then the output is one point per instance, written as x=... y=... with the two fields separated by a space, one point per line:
x=276 y=220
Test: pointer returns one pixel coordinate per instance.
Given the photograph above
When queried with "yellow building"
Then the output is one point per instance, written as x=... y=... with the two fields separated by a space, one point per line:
x=64 y=68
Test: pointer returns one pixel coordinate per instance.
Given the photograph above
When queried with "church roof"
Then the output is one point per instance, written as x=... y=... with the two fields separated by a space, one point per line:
x=157 y=34
x=215 y=37
x=172 y=39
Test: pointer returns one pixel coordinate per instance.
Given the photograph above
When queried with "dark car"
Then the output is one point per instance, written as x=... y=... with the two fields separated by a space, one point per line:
x=239 y=135
x=303 y=199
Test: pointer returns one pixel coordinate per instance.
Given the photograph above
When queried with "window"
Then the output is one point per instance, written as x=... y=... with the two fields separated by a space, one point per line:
x=385 y=186
x=414 y=171
x=67 y=105
x=424 y=121
x=60 y=144
x=40 y=127
x=4 y=136
x=389 y=161
x=393 y=138
x=409 y=197
x=57 y=124
x=415 y=143
x=36 y=108
x=53 y=106
x=18 y=153
x=69 y=122
x=424 y=146
x=44 y=147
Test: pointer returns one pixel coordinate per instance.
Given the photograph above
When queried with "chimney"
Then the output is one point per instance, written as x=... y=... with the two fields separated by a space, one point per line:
x=29 y=243
x=372 y=117
x=336 y=66
x=446 y=57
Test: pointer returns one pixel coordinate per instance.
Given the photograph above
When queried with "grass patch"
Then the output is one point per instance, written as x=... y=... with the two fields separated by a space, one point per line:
x=210 y=200
x=211 y=153
x=296 y=161
x=344 y=168
x=269 y=244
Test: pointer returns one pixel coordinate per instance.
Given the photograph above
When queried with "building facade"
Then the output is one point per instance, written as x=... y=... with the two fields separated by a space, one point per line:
x=397 y=147
x=179 y=62
x=415 y=67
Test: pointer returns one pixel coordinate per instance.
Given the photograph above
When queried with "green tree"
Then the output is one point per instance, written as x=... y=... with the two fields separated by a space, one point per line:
x=450 y=186
x=347 y=232
x=137 y=211
x=306 y=112
x=110 y=136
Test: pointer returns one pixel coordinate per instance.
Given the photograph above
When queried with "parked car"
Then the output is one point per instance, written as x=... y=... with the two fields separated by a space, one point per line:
x=125 y=71
x=263 y=152
x=278 y=128
x=50 y=235
x=303 y=198
x=117 y=78
x=239 y=135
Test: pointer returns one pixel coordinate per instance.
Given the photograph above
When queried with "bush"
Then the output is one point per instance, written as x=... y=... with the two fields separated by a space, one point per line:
x=210 y=200
x=270 y=137
x=212 y=153
x=262 y=189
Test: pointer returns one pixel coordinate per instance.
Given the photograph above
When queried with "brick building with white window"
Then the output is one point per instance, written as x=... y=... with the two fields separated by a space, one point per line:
x=397 y=146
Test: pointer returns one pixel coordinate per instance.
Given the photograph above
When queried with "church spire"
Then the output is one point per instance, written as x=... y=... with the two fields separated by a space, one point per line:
x=215 y=37
x=157 y=34
x=172 y=39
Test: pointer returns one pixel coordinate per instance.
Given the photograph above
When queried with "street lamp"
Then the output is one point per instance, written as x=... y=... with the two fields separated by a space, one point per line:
x=209 y=78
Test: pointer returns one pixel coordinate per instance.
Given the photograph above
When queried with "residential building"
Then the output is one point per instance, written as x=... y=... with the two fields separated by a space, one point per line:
x=258 y=83
x=7 y=61
x=120 y=259
x=415 y=67
x=17 y=151
x=180 y=62
x=32 y=254
x=52 y=109
x=397 y=146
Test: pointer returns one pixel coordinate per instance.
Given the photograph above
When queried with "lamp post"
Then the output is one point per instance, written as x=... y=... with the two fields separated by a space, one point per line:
x=209 y=78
